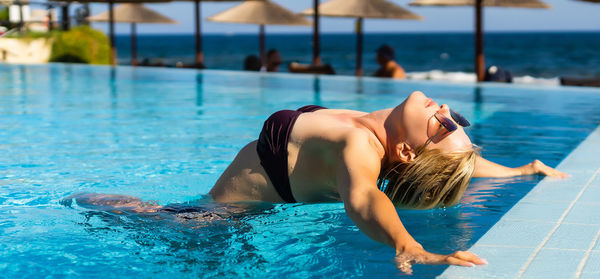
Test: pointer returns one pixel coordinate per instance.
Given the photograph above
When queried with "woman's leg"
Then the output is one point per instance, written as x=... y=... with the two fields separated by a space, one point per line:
x=114 y=203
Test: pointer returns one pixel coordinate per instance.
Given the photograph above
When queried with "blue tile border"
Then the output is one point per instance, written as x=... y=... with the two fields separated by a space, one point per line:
x=557 y=218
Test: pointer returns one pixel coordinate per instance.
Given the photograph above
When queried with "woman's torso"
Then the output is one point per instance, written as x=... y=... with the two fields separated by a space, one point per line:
x=314 y=151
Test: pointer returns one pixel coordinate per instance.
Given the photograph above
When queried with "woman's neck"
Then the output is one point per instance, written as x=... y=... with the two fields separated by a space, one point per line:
x=375 y=123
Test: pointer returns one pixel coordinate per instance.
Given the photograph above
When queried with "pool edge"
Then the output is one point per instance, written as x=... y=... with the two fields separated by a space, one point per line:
x=535 y=237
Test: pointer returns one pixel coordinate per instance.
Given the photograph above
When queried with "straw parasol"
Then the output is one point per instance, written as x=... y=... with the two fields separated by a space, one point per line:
x=479 y=57
x=592 y=1
x=361 y=9
x=133 y=13
x=261 y=13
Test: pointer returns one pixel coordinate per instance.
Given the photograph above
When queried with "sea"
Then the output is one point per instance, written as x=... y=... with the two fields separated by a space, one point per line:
x=531 y=57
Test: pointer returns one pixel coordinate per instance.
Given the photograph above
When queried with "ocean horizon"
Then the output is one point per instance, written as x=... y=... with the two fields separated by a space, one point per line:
x=538 y=57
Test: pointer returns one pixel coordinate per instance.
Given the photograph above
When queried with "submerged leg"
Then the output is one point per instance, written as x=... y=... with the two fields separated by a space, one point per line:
x=113 y=203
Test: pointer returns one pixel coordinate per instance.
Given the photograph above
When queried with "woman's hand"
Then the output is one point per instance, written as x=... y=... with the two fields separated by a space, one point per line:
x=417 y=255
x=537 y=167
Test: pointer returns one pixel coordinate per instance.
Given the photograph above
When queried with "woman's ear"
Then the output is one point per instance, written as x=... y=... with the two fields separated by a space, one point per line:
x=405 y=153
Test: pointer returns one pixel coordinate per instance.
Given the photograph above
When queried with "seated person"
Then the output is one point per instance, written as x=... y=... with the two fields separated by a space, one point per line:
x=325 y=69
x=252 y=63
x=273 y=60
x=388 y=67
x=497 y=74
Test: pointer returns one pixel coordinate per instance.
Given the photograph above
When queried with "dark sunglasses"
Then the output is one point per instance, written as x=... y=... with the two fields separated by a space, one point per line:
x=448 y=124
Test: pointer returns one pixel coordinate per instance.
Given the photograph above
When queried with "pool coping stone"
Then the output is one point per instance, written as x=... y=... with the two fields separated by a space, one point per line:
x=553 y=232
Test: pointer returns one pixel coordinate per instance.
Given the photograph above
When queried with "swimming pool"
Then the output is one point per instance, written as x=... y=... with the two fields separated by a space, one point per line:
x=166 y=134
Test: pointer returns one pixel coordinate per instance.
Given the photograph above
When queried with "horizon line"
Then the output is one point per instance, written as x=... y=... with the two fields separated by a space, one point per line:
x=369 y=33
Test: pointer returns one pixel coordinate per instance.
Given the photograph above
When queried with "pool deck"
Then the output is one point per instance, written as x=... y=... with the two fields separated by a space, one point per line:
x=553 y=231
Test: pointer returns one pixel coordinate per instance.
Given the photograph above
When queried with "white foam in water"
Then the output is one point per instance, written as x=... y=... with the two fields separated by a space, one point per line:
x=442 y=76
x=539 y=81
x=461 y=77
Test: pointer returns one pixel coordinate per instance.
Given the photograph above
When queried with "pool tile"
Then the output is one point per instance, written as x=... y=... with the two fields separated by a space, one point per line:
x=537 y=211
x=591 y=269
x=554 y=191
x=551 y=263
x=584 y=213
x=592 y=193
x=590 y=276
x=573 y=236
x=503 y=262
x=584 y=161
x=509 y=244
x=516 y=233
x=561 y=190
x=596 y=182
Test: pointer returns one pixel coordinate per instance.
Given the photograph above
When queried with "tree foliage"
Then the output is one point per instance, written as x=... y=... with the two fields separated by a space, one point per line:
x=81 y=44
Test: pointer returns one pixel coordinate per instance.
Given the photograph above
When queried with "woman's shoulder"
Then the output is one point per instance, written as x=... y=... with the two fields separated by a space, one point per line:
x=334 y=111
x=333 y=125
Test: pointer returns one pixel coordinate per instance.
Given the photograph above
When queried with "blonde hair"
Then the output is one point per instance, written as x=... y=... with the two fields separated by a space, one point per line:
x=432 y=179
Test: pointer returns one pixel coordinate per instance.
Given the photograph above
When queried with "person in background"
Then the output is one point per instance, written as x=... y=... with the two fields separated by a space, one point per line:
x=388 y=66
x=252 y=63
x=273 y=60
x=497 y=74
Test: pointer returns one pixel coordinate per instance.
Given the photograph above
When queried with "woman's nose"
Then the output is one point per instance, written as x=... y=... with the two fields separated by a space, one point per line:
x=444 y=108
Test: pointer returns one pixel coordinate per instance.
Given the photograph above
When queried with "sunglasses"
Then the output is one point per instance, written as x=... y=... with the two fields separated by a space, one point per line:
x=448 y=124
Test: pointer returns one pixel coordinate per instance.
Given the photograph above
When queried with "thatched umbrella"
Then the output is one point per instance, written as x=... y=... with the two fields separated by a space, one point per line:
x=592 y=1
x=261 y=13
x=479 y=57
x=133 y=13
x=361 y=9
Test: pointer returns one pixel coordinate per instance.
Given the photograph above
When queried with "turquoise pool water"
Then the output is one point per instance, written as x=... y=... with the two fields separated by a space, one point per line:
x=166 y=134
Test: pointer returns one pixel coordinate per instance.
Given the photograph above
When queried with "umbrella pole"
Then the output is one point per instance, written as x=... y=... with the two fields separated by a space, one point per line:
x=479 y=57
x=133 y=45
x=261 y=38
x=199 y=55
x=359 y=45
x=111 y=28
x=21 y=21
x=65 y=17
x=316 y=47
x=50 y=19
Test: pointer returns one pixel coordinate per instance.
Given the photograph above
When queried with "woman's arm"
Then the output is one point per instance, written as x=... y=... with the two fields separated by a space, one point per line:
x=375 y=215
x=485 y=168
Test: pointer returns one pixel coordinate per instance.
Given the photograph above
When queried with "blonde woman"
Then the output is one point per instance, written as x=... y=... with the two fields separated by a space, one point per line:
x=415 y=155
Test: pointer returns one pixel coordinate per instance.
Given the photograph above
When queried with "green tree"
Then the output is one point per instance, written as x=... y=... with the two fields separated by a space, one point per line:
x=81 y=44
x=4 y=15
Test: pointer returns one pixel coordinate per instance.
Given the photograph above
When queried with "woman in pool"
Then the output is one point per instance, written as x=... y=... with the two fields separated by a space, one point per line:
x=415 y=155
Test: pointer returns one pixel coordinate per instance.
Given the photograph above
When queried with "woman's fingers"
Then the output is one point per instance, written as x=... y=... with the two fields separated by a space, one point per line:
x=456 y=261
x=465 y=258
x=541 y=168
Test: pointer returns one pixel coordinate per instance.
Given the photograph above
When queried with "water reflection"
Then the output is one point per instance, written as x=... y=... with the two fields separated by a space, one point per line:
x=482 y=192
x=112 y=83
x=359 y=86
x=206 y=240
x=199 y=92
x=317 y=90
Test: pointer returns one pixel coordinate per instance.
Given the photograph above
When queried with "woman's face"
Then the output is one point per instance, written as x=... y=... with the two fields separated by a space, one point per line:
x=418 y=124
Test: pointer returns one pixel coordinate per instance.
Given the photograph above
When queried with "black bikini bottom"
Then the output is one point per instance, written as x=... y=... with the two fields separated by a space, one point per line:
x=272 y=148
